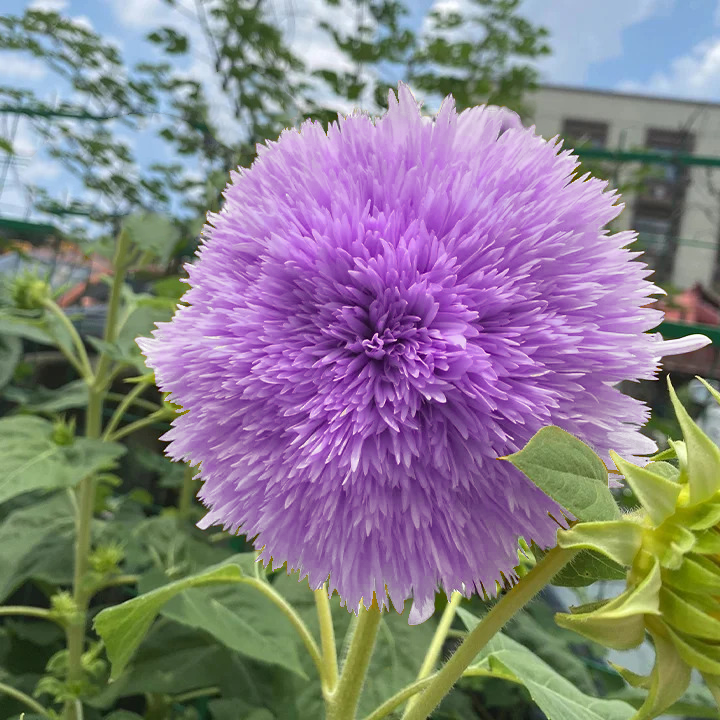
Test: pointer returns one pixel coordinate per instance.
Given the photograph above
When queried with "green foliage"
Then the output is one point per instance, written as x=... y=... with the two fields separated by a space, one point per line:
x=32 y=460
x=569 y=472
x=556 y=696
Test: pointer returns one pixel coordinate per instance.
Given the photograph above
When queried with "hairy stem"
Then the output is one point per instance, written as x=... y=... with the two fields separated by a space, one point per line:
x=187 y=493
x=119 y=412
x=137 y=425
x=80 y=361
x=26 y=700
x=494 y=621
x=327 y=640
x=27 y=611
x=342 y=702
x=85 y=491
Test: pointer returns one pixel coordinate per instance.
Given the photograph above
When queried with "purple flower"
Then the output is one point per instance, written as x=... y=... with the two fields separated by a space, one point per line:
x=376 y=315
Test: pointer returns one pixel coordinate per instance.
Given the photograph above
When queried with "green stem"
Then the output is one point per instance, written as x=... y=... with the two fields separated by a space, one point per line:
x=500 y=613
x=342 y=702
x=81 y=362
x=310 y=645
x=19 y=695
x=27 y=612
x=194 y=694
x=116 y=581
x=399 y=698
x=433 y=653
x=144 y=404
x=117 y=416
x=137 y=425
x=327 y=640
x=97 y=387
x=187 y=493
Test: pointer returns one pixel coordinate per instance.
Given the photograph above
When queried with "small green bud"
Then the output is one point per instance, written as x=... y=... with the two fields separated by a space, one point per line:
x=106 y=559
x=64 y=432
x=64 y=608
x=29 y=292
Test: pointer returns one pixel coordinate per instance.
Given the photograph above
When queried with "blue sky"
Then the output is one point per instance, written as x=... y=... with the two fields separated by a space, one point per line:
x=662 y=47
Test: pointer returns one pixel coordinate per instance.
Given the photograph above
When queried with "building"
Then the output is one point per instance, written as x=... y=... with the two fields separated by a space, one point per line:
x=677 y=211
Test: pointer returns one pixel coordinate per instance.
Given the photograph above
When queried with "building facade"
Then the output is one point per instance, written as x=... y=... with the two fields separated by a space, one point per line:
x=676 y=208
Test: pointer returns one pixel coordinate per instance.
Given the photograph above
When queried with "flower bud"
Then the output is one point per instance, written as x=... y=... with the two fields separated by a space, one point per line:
x=671 y=547
x=29 y=292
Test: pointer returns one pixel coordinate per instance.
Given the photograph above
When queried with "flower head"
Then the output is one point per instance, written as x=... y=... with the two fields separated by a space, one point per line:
x=378 y=313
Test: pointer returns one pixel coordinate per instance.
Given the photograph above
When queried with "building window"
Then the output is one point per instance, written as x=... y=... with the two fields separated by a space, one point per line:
x=588 y=133
x=670 y=142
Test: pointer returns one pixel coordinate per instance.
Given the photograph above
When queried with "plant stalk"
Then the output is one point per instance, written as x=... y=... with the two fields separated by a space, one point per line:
x=342 y=703
x=85 y=492
x=494 y=621
x=436 y=645
x=327 y=640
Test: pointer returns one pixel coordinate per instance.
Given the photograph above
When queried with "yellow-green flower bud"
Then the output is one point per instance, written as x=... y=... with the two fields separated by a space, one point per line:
x=64 y=432
x=671 y=547
x=29 y=292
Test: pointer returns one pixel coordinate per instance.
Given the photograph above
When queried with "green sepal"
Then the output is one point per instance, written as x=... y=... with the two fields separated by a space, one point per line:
x=696 y=575
x=620 y=540
x=670 y=544
x=703 y=455
x=664 y=469
x=620 y=623
x=710 y=388
x=630 y=677
x=670 y=679
x=569 y=472
x=696 y=653
x=687 y=618
x=656 y=494
x=680 y=450
x=667 y=454
x=707 y=542
x=700 y=517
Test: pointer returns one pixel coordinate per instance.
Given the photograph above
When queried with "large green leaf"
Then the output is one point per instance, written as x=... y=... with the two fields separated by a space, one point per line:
x=124 y=626
x=567 y=470
x=556 y=696
x=242 y=619
x=25 y=531
x=43 y=400
x=30 y=460
x=10 y=352
x=155 y=234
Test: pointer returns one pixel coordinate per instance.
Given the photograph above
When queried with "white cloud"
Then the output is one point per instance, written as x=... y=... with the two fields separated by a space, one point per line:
x=695 y=75
x=21 y=68
x=49 y=5
x=583 y=33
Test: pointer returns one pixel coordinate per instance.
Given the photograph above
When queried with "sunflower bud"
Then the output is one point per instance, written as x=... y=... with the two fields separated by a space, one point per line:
x=29 y=292
x=671 y=547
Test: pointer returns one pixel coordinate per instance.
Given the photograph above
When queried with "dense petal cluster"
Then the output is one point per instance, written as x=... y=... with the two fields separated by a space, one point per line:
x=376 y=315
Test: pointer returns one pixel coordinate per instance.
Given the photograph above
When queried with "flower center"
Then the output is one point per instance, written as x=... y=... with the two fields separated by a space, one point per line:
x=378 y=346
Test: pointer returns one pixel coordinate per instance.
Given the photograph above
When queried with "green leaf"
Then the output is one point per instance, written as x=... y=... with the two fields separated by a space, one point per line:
x=567 y=470
x=26 y=531
x=588 y=567
x=620 y=540
x=153 y=233
x=242 y=619
x=123 y=627
x=703 y=455
x=10 y=353
x=43 y=400
x=32 y=461
x=556 y=696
